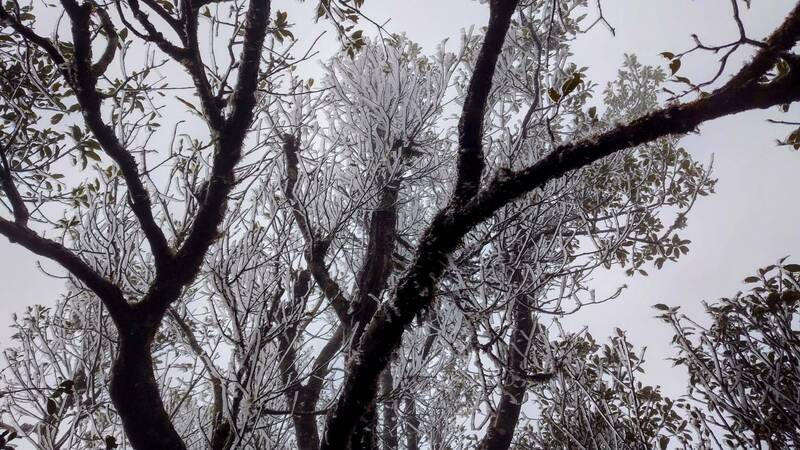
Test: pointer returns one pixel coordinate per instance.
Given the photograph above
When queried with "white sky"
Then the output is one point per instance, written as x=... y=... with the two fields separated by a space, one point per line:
x=750 y=222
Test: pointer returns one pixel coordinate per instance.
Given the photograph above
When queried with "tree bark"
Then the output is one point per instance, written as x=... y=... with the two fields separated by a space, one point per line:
x=506 y=416
x=136 y=396
x=389 y=435
x=412 y=424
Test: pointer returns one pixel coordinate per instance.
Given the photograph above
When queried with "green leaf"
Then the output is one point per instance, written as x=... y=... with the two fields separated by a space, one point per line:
x=751 y=280
x=661 y=306
x=56 y=118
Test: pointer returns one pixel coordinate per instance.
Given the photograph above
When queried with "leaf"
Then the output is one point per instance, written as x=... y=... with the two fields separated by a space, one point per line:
x=675 y=65
x=661 y=306
x=282 y=18
x=593 y=112
x=111 y=442
x=554 y=95
x=790 y=297
x=77 y=134
x=191 y=106
x=56 y=118
x=751 y=280
x=792 y=267
x=668 y=55
x=52 y=407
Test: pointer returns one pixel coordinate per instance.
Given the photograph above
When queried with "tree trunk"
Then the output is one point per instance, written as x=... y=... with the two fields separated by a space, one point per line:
x=136 y=397
x=305 y=425
x=364 y=435
x=390 y=438
x=412 y=424
x=504 y=422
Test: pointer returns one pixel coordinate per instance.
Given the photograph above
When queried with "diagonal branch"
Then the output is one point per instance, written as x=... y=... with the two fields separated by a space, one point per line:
x=18 y=208
x=109 y=294
x=415 y=290
x=84 y=82
x=228 y=152
x=40 y=41
x=316 y=247
x=111 y=45
x=470 y=127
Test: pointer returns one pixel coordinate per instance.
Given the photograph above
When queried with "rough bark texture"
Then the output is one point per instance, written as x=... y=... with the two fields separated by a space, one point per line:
x=137 y=399
x=390 y=437
x=415 y=290
x=504 y=422
x=412 y=424
x=133 y=389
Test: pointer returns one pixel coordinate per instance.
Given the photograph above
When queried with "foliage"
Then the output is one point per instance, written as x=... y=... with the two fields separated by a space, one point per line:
x=247 y=248
x=744 y=366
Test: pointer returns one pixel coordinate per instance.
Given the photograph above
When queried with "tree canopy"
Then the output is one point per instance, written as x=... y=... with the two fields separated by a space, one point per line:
x=257 y=258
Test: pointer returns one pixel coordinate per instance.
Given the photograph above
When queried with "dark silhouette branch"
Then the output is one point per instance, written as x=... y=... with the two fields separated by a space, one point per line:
x=470 y=126
x=415 y=290
x=84 y=81
x=227 y=152
x=109 y=294
x=316 y=246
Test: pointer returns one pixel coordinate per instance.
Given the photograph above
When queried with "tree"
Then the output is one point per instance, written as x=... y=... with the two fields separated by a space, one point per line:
x=743 y=367
x=297 y=237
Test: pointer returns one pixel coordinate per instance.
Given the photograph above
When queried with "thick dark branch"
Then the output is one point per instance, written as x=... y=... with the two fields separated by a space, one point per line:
x=304 y=398
x=470 y=127
x=109 y=294
x=43 y=43
x=111 y=45
x=316 y=247
x=18 y=208
x=244 y=93
x=415 y=290
x=174 y=23
x=85 y=82
x=321 y=366
x=515 y=379
x=195 y=66
x=228 y=151
x=373 y=276
x=151 y=33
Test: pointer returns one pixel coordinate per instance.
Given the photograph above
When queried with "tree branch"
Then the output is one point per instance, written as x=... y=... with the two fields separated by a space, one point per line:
x=18 y=208
x=43 y=43
x=316 y=248
x=470 y=127
x=84 y=83
x=228 y=151
x=109 y=294
x=415 y=290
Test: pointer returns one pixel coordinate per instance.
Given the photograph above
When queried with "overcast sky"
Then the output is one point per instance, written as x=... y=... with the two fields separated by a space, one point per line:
x=750 y=222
